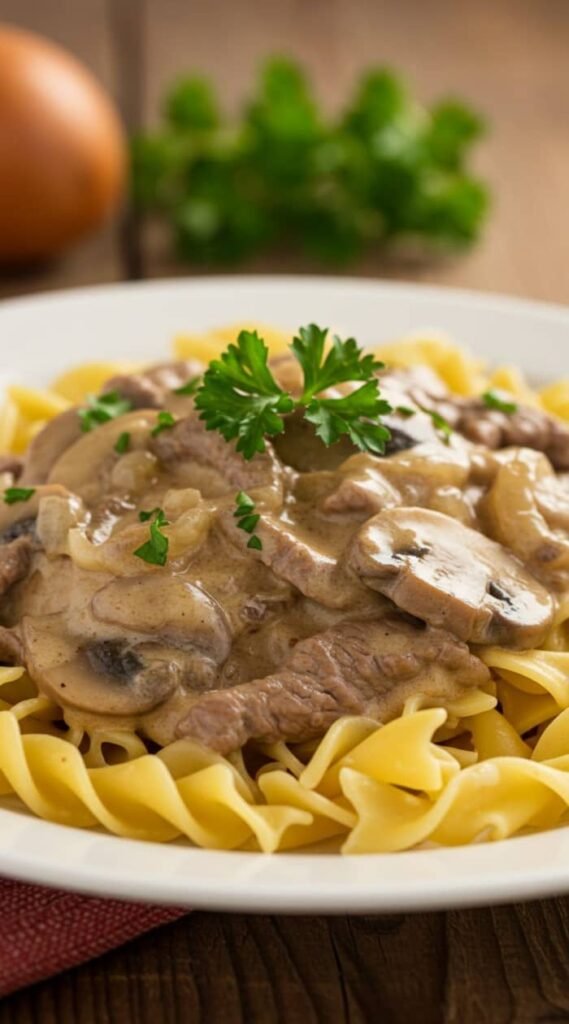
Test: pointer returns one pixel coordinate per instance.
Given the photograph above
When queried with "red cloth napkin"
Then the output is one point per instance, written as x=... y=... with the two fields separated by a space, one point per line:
x=45 y=931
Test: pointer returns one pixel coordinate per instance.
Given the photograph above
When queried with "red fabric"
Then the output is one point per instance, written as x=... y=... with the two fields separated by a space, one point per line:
x=45 y=931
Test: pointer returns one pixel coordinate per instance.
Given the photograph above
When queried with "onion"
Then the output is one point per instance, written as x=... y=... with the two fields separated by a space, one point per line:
x=62 y=149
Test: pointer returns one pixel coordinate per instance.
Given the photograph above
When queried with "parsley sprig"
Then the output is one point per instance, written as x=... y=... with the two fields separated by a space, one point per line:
x=493 y=400
x=102 y=408
x=14 y=494
x=155 y=550
x=247 y=519
x=241 y=399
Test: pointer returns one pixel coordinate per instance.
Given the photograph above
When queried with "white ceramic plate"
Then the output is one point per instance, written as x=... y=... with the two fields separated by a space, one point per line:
x=40 y=336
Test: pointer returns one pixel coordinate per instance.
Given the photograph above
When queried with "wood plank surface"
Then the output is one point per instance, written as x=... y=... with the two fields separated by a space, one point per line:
x=510 y=58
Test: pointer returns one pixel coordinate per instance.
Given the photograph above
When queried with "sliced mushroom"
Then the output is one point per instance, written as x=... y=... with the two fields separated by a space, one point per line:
x=85 y=466
x=527 y=510
x=168 y=607
x=49 y=445
x=452 y=577
x=108 y=678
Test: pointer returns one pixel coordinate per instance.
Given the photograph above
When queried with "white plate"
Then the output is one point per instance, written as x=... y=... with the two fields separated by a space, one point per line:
x=41 y=335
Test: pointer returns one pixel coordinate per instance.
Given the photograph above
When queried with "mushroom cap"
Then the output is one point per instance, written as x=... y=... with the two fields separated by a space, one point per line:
x=451 y=576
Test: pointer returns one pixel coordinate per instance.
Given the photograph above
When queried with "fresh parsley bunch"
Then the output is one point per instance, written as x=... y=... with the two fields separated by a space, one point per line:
x=240 y=398
x=384 y=170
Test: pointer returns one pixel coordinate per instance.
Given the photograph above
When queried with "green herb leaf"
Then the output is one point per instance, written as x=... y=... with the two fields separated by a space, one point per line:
x=344 y=362
x=442 y=425
x=123 y=443
x=144 y=515
x=103 y=408
x=248 y=523
x=155 y=550
x=245 y=504
x=405 y=411
x=165 y=421
x=240 y=398
x=493 y=400
x=356 y=415
x=248 y=518
x=15 y=494
x=189 y=388
x=384 y=170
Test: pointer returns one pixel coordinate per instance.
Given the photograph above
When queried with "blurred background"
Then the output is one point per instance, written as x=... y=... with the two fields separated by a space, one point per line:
x=505 y=60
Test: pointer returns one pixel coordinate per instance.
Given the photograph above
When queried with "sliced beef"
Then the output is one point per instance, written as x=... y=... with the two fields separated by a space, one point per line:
x=525 y=428
x=15 y=561
x=355 y=668
x=471 y=417
x=188 y=442
x=153 y=388
x=297 y=559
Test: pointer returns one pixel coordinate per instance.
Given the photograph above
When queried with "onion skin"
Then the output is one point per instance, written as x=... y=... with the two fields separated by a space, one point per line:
x=62 y=149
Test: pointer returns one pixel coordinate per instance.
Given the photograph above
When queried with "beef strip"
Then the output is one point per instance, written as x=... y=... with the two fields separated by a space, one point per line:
x=358 y=668
x=15 y=561
x=153 y=388
x=471 y=417
x=190 y=442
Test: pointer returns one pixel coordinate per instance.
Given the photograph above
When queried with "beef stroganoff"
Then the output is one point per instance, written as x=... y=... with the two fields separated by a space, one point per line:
x=280 y=590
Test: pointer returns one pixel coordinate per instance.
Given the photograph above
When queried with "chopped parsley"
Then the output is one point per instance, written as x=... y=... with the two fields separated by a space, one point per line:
x=164 y=421
x=247 y=519
x=123 y=443
x=189 y=388
x=241 y=399
x=102 y=408
x=405 y=411
x=155 y=550
x=493 y=400
x=442 y=425
x=15 y=494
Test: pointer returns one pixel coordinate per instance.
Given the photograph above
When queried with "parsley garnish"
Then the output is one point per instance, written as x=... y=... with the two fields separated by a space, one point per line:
x=144 y=515
x=381 y=170
x=102 y=408
x=14 y=494
x=189 y=388
x=493 y=400
x=405 y=411
x=240 y=398
x=164 y=421
x=442 y=425
x=155 y=551
x=123 y=443
x=247 y=519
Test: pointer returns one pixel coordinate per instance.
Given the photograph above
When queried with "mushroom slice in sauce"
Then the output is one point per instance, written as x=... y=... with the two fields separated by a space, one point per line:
x=451 y=576
x=109 y=677
x=85 y=467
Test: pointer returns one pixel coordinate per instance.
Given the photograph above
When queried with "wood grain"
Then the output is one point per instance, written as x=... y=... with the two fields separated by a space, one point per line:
x=509 y=57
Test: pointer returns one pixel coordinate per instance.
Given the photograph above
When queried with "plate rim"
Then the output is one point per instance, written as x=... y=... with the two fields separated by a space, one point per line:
x=505 y=883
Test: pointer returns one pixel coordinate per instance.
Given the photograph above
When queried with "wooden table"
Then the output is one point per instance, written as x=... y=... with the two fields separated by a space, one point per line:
x=510 y=57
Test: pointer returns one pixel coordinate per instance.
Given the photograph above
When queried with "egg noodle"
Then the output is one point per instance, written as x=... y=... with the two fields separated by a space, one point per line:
x=482 y=768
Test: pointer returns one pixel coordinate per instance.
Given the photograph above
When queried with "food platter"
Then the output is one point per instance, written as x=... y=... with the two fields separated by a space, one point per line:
x=43 y=335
